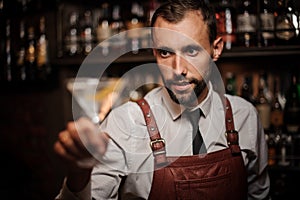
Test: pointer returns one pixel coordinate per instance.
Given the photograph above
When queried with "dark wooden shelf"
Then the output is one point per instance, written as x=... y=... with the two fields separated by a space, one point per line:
x=237 y=52
x=146 y=55
x=142 y=56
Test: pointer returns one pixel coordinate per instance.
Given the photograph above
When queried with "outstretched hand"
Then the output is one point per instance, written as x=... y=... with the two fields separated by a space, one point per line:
x=80 y=144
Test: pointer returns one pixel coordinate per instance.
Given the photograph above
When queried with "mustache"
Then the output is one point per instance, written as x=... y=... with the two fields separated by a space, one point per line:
x=180 y=80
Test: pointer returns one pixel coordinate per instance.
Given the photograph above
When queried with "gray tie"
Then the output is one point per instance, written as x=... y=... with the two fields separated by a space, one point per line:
x=198 y=145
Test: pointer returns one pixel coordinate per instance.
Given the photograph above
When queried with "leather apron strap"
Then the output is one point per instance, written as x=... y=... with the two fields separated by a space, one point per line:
x=231 y=134
x=157 y=143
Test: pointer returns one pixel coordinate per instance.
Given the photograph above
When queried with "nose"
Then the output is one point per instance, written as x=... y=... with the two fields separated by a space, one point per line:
x=179 y=64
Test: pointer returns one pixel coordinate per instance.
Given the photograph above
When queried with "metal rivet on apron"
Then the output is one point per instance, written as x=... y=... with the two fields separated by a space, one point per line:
x=143 y=103
x=152 y=128
x=229 y=120
x=227 y=107
x=148 y=115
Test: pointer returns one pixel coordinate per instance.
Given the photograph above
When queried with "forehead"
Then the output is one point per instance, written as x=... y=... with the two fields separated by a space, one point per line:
x=190 y=30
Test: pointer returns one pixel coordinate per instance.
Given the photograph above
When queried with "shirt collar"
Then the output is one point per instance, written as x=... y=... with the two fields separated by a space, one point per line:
x=176 y=110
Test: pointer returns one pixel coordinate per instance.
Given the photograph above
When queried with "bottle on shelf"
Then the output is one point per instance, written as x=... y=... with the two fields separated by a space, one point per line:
x=262 y=103
x=152 y=6
x=247 y=90
x=136 y=20
x=104 y=30
x=272 y=149
x=293 y=14
x=286 y=23
x=267 y=23
x=247 y=24
x=230 y=83
x=117 y=26
x=72 y=37
x=276 y=118
x=30 y=54
x=226 y=23
x=276 y=127
x=87 y=36
x=8 y=60
x=42 y=56
x=285 y=150
x=292 y=107
x=146 y=33
x=20 y=57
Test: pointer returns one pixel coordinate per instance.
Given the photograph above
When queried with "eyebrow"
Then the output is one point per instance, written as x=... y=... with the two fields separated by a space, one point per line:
x=165 y=49
x=192 y=46
x=183 y=49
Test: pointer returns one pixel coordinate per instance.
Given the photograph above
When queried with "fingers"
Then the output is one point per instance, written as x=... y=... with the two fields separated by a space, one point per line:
x=60 y=150
x=74 y=134
x=70 y=142
x=80 y=141
x=90 y=136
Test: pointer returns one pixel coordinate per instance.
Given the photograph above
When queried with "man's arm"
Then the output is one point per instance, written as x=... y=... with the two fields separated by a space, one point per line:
x=75 y=146
x=258 y=177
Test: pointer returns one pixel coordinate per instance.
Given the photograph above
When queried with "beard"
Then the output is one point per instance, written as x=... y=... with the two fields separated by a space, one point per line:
x=186 y=98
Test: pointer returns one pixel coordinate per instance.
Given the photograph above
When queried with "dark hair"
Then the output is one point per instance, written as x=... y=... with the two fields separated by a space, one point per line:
x=174 y=11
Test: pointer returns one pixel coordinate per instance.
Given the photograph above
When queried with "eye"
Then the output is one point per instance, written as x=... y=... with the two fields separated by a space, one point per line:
x=164 y=53
x=192 y=51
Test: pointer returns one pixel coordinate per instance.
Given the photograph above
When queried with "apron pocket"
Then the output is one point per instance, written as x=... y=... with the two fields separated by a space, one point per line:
x=212 y=188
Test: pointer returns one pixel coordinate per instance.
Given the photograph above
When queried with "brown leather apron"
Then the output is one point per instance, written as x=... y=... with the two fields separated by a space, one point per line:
x=212 y=176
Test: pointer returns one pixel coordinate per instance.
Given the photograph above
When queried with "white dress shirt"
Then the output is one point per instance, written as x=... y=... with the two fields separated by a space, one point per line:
x=126 y=169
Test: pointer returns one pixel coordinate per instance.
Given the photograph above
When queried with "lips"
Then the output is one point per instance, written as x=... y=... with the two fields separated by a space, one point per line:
x=181 y=86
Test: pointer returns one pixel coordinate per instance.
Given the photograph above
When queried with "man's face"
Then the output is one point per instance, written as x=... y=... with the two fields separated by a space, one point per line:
x=183 y=53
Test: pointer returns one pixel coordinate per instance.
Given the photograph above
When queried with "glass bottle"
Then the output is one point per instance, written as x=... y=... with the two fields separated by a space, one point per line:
x=117 y=26
x=267 y=23
x=292 y=108
x=276 y=110
x=8 y=53
x=226 y=23
x=153 y=5
x=87 y=36
x=246 y=24
x=135 y=21
x=30 y=54
x=284 y=145
x=104 y=30
x=293 y=14
x=262 y=104
x=72 y=38
x=285 y=27
x=272 y=149
x=230 y=87
x=246 y=90
x=42 y=59
x=20 y=61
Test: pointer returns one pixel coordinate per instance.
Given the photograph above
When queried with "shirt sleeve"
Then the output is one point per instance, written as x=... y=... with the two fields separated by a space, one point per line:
x=254 y=148
x=258 y=177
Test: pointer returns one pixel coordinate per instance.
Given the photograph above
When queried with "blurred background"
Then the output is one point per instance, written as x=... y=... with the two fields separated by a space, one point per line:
x=42 y=46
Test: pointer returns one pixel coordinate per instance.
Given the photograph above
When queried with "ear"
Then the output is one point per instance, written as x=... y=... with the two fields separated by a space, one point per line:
x=217 y=48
